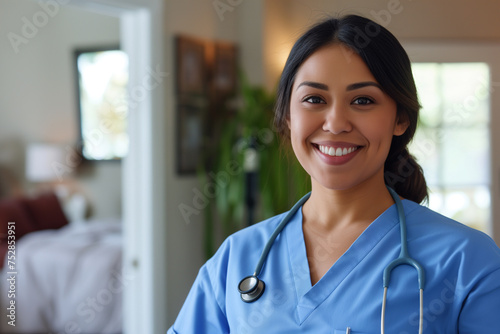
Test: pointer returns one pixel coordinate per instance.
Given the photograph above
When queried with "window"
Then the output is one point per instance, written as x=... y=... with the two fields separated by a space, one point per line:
x=103 y=104
x=452 y=143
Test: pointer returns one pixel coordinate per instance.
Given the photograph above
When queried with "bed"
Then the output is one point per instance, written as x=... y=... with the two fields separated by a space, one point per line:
x=60 y=276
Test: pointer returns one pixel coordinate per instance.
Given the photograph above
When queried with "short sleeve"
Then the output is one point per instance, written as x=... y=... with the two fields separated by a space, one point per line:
x=481 y=310
x=201 y=312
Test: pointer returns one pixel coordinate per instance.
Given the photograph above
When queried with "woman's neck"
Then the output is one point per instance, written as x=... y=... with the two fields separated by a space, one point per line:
x=330 y=209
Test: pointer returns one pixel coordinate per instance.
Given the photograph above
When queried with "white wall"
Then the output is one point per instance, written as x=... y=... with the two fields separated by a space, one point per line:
x=37 y=82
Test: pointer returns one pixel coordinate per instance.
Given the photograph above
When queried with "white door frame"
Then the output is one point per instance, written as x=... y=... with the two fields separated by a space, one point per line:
x=439 y=51
x=144 y=180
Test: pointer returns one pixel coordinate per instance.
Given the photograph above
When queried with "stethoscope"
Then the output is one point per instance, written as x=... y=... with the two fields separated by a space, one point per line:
x=251 y=287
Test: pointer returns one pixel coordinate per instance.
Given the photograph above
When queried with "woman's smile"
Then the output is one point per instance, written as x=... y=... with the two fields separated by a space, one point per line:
x=337 y=153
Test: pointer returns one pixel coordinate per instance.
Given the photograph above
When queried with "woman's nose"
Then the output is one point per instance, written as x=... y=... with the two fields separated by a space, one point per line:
x=337 y=120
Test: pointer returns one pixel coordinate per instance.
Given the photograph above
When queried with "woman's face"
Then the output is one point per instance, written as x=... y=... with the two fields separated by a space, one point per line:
x=341 y=121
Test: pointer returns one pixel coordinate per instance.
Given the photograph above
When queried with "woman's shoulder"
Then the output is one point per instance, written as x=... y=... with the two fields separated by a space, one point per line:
x=432 y=228
x=418 y=214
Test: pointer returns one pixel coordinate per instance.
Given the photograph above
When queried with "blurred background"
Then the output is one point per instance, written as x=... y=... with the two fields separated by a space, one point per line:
x=185 y=113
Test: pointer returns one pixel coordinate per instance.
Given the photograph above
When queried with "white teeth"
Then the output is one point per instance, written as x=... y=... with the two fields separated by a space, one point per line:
x=336 y=152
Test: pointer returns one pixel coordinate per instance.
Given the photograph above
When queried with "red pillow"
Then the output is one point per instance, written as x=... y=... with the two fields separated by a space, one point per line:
x=13 y=210
x=46 y=211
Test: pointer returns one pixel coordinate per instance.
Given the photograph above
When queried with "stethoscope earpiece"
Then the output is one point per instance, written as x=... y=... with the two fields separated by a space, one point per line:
x=251 y=288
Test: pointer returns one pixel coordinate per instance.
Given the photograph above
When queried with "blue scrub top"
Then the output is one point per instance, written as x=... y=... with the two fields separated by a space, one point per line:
x=462 y=291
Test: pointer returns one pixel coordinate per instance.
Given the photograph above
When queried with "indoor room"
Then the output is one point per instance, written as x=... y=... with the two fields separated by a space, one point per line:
x=137 y=135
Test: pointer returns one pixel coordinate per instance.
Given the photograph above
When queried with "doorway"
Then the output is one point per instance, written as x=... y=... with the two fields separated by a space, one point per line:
x=144 y=260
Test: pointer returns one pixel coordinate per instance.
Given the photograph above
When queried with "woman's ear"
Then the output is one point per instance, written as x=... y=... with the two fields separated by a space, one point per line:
x=401 y=126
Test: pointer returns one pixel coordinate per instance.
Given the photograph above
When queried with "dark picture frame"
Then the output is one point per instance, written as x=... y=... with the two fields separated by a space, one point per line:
x=192 y=99
x=206 y=75
x=190 y=138
x=225 y=69
x=191 y=66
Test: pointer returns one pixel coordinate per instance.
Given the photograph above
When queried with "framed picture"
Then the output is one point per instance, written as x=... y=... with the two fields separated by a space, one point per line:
x=190 y=137
x=102 y=78
x=224 y=77
x=206 y=78
x=191 y=66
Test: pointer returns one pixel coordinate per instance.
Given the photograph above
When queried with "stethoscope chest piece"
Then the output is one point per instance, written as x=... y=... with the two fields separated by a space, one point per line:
x=251 y=288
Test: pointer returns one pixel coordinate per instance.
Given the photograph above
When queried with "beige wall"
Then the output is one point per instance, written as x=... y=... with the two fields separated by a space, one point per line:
x=438 y=20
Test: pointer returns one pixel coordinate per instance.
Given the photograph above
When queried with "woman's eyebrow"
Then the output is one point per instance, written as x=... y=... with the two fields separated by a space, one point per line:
x=313 y=85
x=359 y=85
x=353 y=86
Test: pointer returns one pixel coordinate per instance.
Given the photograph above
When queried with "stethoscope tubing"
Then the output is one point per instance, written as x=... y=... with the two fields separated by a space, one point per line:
x=403 y=258
x=277 y=231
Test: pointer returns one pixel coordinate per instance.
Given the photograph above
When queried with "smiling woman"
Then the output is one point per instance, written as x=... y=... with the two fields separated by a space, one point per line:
x=348 y=111
x=348 y=105
x=382 y=67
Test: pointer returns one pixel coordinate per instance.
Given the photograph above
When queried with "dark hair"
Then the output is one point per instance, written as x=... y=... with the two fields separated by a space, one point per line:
x=391 y=67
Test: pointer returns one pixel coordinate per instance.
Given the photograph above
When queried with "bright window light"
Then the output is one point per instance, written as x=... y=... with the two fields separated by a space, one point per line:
x=102 y=88
x=452 y=140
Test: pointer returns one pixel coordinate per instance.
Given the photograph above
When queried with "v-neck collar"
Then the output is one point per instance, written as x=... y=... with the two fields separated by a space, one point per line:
x=310 y=297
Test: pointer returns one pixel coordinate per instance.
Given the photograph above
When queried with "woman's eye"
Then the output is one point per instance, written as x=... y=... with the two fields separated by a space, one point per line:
x=314 y=100
x=362 y=101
